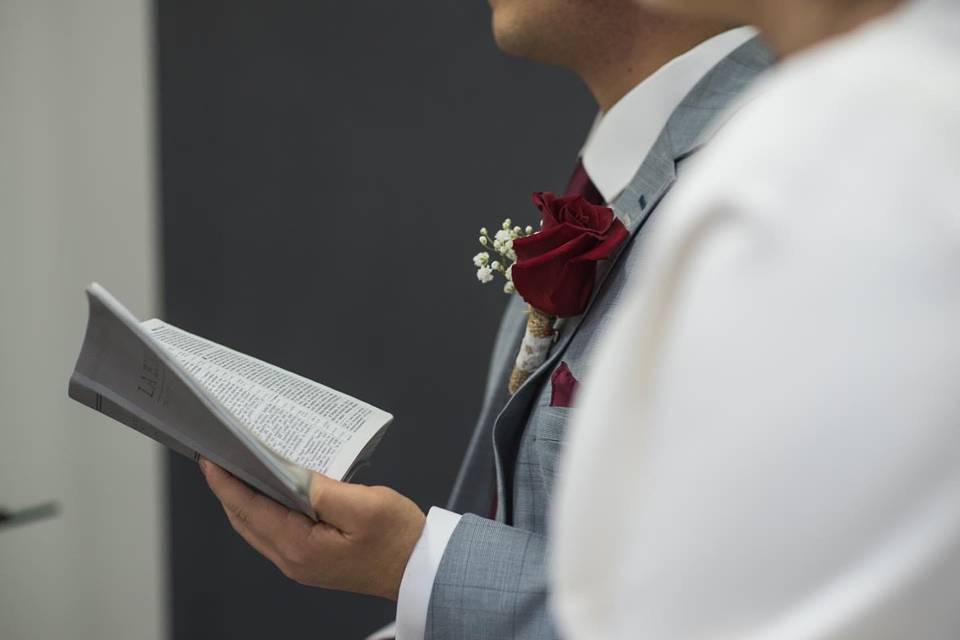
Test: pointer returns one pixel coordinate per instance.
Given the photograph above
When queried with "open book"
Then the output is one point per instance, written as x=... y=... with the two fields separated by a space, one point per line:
x=266 y=426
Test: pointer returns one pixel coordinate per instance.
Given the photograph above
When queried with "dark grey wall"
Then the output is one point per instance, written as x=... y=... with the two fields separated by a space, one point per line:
x=324 y=169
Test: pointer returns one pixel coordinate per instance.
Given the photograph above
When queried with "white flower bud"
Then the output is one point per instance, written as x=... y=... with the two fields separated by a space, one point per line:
x=517 y=231
x=481 y=259
x=496 y=266
x=484 y=274
x=506 y=224
x=508 y=288
x=509 y=273
x=528 y=230
x=503 y=239
x=483 y=231
x=483 y=240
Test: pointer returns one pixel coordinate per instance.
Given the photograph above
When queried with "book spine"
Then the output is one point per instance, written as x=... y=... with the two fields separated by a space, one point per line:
x=84 y=394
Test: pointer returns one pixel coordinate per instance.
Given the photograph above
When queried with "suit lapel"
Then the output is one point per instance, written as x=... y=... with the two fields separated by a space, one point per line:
x=475 y=480
x=691 y=125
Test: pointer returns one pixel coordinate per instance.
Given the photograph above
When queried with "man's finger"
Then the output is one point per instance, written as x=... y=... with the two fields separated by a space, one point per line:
x=261 y=546
x=263 y=517
x=220 y=483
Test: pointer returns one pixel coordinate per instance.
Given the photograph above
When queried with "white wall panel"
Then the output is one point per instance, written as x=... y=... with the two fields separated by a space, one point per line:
x=76 y=204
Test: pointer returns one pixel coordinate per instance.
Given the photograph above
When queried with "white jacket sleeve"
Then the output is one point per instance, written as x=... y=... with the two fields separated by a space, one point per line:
x=769 y=445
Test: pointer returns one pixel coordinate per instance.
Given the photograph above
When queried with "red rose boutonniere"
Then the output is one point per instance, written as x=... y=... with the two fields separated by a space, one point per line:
x=554 y=269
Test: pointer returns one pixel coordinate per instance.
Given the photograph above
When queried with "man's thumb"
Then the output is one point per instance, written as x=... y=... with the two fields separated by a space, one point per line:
x=335 y=502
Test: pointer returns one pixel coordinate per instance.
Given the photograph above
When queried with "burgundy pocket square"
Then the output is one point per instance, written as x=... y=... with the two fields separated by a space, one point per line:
x=563 y=387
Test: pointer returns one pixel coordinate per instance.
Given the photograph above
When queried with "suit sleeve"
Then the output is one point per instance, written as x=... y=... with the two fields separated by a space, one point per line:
x=491 y=584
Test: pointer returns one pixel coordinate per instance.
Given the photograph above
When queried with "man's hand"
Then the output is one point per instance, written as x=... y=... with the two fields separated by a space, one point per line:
x=362 y=544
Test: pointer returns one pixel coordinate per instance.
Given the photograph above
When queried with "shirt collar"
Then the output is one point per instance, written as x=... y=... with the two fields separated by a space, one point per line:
x=621 y=138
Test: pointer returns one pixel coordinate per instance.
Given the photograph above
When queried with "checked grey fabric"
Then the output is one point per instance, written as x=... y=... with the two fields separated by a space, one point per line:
x=491 y=583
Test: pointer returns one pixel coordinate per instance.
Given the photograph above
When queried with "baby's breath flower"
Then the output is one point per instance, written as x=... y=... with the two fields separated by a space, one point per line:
x=484 y=274
x=504 y=238
x=501 y=247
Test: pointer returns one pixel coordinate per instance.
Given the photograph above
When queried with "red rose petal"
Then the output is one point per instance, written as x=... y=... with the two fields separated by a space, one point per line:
x=608 y=245
x=547 y=240
x=546 y=203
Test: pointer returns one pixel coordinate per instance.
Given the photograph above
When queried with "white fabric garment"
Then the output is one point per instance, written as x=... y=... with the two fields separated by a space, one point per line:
x=769 y=444
x=615 y=148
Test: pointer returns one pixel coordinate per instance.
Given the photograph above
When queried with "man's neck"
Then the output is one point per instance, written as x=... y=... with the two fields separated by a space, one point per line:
x=628 y=61
x=795 y=25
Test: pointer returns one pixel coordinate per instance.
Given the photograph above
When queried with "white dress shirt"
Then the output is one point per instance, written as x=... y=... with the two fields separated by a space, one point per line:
x=769 y=445
x=615 y=148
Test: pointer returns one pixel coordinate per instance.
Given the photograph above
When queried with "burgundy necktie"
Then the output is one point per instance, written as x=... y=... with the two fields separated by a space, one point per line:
x=581 y=185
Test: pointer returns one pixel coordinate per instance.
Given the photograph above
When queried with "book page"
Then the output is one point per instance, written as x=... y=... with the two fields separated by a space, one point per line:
x=302 y=421
x=125 y=374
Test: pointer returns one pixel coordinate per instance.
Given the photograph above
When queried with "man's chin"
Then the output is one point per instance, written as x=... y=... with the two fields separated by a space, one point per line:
x=508 y=43
x=514 y=39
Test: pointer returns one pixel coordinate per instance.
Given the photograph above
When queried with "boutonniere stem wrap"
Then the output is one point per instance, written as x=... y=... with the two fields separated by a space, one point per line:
x=554 y=269
x=537 y=340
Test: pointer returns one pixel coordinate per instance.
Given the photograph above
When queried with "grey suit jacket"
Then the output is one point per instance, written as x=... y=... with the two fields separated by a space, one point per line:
x=491 y=583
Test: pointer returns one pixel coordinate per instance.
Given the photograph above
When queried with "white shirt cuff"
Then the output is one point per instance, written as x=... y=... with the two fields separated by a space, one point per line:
x=417 y=582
